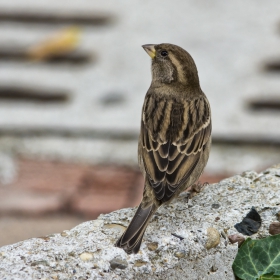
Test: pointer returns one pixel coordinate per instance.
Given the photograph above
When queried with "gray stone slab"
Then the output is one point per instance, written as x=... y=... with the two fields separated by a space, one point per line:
x=88 y=249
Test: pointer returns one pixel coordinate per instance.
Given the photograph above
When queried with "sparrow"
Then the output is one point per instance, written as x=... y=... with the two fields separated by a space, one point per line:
x=175 y=136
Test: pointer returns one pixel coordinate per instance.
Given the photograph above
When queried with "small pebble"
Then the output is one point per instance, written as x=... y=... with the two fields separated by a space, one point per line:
x=40 y=262
x=95 y=265
x=213 y=268
x=236 y=238
x=86 y=256
x=139 y=263
x=152 y=246
x=213 y=238
x=64 y=233
x=180 y=254
x=223 y=234
x=274 y=228
x=118 y=263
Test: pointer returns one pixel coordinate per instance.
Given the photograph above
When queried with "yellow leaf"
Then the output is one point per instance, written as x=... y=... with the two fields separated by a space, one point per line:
x=64 y=41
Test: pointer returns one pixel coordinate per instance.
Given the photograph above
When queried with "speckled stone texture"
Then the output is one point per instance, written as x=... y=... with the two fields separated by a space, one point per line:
x=87 y=251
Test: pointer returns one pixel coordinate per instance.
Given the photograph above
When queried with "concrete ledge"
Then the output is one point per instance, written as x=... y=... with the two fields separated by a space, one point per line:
x=174 y=246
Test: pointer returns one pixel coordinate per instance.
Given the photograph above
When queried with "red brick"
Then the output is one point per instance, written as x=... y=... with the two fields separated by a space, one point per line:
x=26 y=202
x=46 y=186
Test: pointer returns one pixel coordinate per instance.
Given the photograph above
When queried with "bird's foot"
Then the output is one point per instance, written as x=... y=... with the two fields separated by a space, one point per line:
x=195 y=189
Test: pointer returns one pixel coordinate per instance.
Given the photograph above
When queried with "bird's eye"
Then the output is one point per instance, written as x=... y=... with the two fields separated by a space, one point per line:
x=164 y=53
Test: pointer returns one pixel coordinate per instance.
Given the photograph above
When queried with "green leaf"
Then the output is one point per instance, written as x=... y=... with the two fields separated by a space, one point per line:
x=269 y=276
x=257 y=259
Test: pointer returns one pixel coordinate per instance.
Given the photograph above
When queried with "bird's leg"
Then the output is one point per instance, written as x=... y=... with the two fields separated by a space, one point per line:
x=195 y=189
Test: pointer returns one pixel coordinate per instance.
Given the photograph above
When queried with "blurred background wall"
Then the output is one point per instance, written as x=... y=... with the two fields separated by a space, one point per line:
x=73 y=77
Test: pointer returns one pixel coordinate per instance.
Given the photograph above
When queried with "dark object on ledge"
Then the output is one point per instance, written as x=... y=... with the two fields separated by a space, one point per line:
x=250 y=224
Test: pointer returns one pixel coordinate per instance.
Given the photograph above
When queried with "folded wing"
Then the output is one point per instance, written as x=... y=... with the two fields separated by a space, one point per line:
x=174 y=134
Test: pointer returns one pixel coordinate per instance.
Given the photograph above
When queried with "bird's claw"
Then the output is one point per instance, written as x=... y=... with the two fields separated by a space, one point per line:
x=195 y=189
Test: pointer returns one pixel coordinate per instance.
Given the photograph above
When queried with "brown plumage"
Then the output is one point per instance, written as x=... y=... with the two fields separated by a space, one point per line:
x=175 y=136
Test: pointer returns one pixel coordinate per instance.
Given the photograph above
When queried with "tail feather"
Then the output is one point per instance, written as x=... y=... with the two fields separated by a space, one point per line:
x=131 y=239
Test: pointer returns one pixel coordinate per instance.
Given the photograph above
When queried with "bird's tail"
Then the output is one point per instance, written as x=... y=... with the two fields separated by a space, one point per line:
x=131 y=239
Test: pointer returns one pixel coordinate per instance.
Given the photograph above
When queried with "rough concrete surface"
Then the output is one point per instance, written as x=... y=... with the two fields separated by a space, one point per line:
x=87 y=251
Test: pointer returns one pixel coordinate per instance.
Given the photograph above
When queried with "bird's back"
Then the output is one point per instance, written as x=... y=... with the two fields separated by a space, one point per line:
x=175 y=129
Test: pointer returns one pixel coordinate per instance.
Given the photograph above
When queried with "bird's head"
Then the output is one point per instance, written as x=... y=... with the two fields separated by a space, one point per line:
x=172 y=64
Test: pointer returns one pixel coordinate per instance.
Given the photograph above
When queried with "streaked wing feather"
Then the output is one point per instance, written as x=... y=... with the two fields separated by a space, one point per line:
x=167 y=163
x=151 y=167
x=162 y=162
x=173 y=152
x=175 y=163
x=164 y=149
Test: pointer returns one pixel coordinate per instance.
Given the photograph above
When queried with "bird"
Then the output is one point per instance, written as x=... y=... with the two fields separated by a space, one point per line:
x=175 y=136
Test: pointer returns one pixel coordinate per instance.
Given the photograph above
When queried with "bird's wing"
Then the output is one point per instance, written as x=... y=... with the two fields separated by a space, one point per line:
x=169 y=163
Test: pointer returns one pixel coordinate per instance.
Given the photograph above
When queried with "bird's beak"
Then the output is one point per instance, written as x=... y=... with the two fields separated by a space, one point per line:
x=150 y=49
